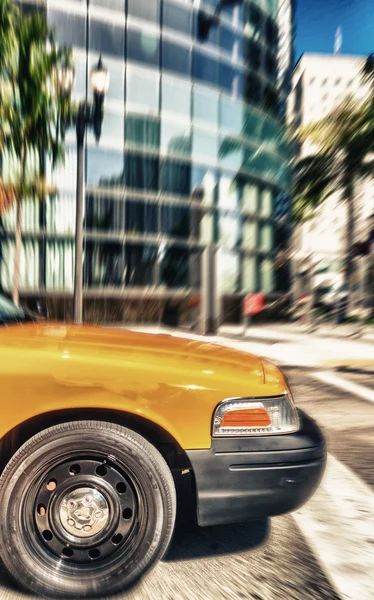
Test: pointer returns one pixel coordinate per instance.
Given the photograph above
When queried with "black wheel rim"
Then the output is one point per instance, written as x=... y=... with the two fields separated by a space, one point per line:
x=87 y=511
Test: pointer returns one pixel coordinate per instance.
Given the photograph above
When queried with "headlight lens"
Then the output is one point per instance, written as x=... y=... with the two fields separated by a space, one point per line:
x=255 y=416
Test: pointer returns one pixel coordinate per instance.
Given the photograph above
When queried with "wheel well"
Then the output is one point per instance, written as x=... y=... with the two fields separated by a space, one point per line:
x=168 y=447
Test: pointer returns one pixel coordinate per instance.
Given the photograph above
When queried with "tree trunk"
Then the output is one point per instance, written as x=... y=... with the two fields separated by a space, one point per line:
x=18 y=233
x=350 y=240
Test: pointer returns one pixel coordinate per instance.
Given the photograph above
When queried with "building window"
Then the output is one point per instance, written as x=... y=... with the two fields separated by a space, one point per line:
x=104 y=214
x=231 y=115
x=232 y=43
x=29 y=265
x=176 y=18
x=205 y=68
x=175 y=177
x=266 y=275
x=249 y=275
x=104 y=167
x=175 y=58
x=176 y=97
x=140 y=267
x=143 y=47
x=59 y=265
x=266 y=240
x=229 y=269
x=144 y=9
x=142 y=131
x=141 y=217
x=142 y=90
x=176 y=221
x=231 y=79
x=205 y=105
x=250 y=235
x=104 y=264
x=175 y=138
x=141 y=171
x=107 y=38
x=204 y=144
x=250 y=198
x=229 y=230
x=228 y=193
x=70 y=29
x=253 y=89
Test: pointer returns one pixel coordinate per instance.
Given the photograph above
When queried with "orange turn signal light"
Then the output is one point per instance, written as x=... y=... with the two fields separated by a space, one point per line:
x=246 y=417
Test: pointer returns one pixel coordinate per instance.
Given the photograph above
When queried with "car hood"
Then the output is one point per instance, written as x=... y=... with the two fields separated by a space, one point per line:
x=173 y=381
x=137 y=346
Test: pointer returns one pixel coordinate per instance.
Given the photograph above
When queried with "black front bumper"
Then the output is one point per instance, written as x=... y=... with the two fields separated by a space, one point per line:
x=239 y=479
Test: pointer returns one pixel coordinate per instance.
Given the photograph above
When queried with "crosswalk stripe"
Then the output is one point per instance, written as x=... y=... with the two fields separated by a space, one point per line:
x=338 y=524
x=348 y=386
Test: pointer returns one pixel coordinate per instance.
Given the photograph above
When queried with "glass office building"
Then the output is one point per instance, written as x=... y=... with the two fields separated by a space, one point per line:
x=192 y=154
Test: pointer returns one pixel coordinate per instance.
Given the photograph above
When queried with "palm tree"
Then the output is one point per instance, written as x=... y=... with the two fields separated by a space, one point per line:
x=36 y=113
x=345 y=139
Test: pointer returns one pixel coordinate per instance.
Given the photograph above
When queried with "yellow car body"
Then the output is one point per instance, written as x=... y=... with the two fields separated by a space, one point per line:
x=102 y=430
x=173 y=382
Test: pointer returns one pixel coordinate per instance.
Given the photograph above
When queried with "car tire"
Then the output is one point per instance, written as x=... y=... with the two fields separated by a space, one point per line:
x=86 y=508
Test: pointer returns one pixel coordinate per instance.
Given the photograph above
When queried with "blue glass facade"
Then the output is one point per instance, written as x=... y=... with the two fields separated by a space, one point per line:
x=192 y=152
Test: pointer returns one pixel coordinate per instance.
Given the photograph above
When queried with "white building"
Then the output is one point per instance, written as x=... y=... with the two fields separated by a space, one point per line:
x=320 y=83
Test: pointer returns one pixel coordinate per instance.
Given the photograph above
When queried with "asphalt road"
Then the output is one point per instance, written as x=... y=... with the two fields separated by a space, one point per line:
x=262 y=560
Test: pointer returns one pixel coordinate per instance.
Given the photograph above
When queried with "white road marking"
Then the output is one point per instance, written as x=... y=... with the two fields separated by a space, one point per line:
x=339 y=382
x=338 y=524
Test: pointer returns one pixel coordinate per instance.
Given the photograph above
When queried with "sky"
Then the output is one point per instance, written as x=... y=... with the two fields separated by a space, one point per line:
x=318 y=20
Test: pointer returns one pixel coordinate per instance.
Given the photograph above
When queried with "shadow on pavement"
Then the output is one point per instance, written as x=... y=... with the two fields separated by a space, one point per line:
x=192 y=542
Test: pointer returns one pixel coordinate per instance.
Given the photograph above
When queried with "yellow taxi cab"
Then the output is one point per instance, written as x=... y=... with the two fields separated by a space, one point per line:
x=97 y=428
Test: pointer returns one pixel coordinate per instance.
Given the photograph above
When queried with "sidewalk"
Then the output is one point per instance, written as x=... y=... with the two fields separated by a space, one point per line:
x=285 y=332
x=284 y=346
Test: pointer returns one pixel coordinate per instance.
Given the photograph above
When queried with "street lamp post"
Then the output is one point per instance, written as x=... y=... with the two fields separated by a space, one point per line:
x=88 y=116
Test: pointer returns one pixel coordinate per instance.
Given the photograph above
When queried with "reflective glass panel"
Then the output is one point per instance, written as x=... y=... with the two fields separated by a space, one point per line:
x=176 y=97
x=205 y=105
x=249 y=276
x=250 y=235
x=266 y=272
x=175 y=177
x=141 y=217
x=70 y=29
x=229 y=230
x=104 y=214
x=231 y=80
x=229 y=271
x=175 y=137
x=231 y=115
x=250 y=198
x=176 y=58
x=141 y=171
x=148 y=10
x=107 y=38
x=142 y=89
x=143 y=47
x=59 y=265
x=228 y=192
x=177 y=17
x=141 y=264
x=205 y=68
x=266 y=203
x=266 y=238
x=176 y=221
x=205 y=144
x=104 y=263
x=104 y=167
x=175 y=268
x=142 y=131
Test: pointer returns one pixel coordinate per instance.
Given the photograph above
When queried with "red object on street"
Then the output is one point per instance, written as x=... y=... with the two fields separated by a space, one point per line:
x=253 y=304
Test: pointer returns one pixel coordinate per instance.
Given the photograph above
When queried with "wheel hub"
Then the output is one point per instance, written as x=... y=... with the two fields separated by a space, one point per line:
x=84 y=512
